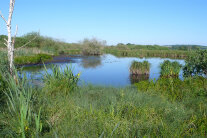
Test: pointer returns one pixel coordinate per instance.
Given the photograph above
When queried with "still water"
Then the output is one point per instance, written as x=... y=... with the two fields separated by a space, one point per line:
x=105 y=70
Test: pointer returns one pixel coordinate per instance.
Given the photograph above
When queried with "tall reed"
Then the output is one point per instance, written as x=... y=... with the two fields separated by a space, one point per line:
x=60 y=80
x=140 y=68
x=21 y=109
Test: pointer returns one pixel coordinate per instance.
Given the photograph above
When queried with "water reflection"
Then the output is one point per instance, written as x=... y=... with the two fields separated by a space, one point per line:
x=91 y=62
x=137 y=78
x=104 y=70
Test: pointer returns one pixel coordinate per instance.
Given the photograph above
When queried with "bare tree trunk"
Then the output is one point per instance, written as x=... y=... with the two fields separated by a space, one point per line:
x=9 y=42
x=10 y=45
x=10 y=50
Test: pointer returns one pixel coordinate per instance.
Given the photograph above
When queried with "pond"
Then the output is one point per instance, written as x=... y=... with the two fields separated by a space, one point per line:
x=105 y=70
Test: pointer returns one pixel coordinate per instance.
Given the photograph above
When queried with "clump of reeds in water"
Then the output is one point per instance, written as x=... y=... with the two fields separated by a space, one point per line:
x=140 y=68
x=170 y=69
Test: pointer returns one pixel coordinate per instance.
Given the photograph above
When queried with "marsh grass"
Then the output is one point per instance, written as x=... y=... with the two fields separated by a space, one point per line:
x=140 y=68
x=170 y=69
x=191 y=93
x=36 y=59
x=155 y=109
x=62 y=80
x=23 y=120
x=175 y=54
x=93 y=111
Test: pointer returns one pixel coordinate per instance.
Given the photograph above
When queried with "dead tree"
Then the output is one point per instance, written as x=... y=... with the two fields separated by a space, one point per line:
x=9 y=43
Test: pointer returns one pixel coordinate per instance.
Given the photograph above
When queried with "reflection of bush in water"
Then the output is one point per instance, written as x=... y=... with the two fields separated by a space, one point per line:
x=138 y=78
x=91 y=62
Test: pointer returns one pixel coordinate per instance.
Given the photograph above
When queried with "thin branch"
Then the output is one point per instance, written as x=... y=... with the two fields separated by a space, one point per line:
x=3 y=17
x=5 y=44
x=26 y=43
x=5 y=40
x=15 y=35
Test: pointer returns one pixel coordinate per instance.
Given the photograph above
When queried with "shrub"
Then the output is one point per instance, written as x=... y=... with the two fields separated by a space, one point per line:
x=139 y=68
x=170 y=69
x=196 y=64
x=92 y=47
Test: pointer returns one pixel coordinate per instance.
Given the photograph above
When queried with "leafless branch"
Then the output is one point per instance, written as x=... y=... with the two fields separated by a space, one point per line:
x=3 y=17
x=15 y=35
x=26 y=43
x=5 y=40
x=6 y=44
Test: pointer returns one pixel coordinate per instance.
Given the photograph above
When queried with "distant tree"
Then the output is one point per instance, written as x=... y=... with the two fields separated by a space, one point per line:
x=120 y=44
x=92 y=46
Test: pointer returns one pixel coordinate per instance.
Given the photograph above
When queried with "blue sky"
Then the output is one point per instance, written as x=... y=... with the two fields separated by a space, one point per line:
x=116 y=21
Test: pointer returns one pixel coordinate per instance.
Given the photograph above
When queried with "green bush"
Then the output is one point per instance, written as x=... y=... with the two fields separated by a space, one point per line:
x=170 y=69
x=92 y=47
x=196 y=64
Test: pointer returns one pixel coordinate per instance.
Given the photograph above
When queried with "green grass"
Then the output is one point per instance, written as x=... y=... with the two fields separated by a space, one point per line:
x=60 y=80
x=39 y=58
x=19 y=117
x=140 y=68
x=170 y=69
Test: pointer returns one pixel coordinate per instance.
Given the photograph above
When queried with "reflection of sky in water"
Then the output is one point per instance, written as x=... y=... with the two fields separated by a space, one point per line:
x=110 y=70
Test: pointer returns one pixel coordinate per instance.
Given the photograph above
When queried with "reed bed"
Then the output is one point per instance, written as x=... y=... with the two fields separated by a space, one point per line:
x=140 y=68
x=179 y=54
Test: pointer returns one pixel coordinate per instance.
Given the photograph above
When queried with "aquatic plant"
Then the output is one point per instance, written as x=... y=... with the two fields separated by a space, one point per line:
x=170 y=69
x=147 y=52
x=63 y=81
x=139 y=68
x=39 y=58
